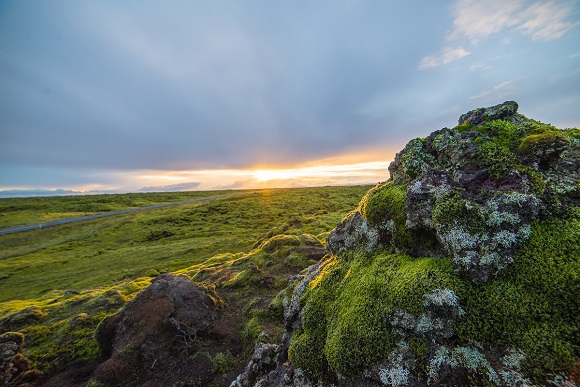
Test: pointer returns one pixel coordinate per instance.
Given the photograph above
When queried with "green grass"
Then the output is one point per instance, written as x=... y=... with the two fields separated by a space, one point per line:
x=34 y=210
x=102 y=252
x=244 y=246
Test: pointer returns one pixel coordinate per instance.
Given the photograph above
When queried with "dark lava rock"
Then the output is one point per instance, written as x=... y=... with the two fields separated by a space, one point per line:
x=155 y=335
x=497 y=112
x=14 y=367
x=353 y=231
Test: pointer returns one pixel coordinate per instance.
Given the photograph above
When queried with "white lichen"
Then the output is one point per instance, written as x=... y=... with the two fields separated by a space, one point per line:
x=505 y=238
x=396 y=376
x=441 y=297
x=508 y=374
x=524 y=232
x=390 y=226
x=497 y=218
x=440 y=358
x=458 y=239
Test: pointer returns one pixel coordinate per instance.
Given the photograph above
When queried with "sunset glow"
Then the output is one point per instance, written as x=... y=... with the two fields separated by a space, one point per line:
x=318 y=175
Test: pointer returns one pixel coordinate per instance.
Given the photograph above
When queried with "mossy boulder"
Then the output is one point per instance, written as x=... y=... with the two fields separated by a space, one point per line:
x=463 y=269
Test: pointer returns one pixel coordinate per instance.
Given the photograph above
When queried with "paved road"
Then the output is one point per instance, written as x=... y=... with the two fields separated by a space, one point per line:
x=105 y=214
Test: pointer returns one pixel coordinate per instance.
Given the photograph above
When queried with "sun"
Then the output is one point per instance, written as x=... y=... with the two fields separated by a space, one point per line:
x=269 y=174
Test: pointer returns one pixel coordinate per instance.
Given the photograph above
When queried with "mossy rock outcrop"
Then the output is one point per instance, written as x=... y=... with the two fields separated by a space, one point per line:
x=462 y=269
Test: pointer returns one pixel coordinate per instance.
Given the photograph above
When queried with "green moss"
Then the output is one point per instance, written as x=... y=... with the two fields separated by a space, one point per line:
x=414 y=157
x=64 y=342
x=27 y=316
x=346 y=316
x=464 y=127
x=453 y=210
x=537 y=127
x=252 y=330
x=152 y=273
x=505 y=133
x=385 y=202
x=420 y=350
x=533 y=304
x=251 y=276
x=497 y=158
x=498 y=146
x=222 y=363
x=535 y=178
x=543 y=143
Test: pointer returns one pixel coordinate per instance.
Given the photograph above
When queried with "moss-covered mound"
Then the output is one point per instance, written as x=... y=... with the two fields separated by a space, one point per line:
x=463 y=269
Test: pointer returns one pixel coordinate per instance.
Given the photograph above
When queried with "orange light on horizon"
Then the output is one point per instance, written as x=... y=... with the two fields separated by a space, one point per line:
x=325 y=171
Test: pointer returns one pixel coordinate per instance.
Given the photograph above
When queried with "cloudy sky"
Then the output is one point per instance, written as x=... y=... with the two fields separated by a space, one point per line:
x=162 y=95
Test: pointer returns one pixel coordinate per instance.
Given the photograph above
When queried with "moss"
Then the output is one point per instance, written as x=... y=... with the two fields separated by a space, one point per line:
x=464 y=127
x=414 y=157
x=505 y=133
x=384 y=208
x=151 y=273
x=252 y=330
x=420 y=351
x=533 y=304
x=276 y=306
x=94 y=383
x=222 y=363
x=498 y=146
x=346 y=316
x=385 y=202
x=28 y=316
x=537 y=127
x=453 y=210
x=497 y=158
x=64 y=342
x=535 y=179
x=542 y=144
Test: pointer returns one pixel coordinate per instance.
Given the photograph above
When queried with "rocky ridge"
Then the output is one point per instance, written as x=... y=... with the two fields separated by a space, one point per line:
x=444 y=274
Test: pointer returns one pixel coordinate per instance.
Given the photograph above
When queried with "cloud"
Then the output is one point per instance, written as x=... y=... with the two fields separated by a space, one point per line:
x=20 y=193
x=504 y=89
x=542 y=20
x=479 y=66
x=479 y=19
x=476 y=20
x=447 y=55
x=546 y=21
x=109 y=85
x=191 y=186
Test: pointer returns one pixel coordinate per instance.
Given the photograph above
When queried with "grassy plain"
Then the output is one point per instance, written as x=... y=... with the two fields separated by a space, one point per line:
x=57 y=283
x=34 y=210
x=102 y=252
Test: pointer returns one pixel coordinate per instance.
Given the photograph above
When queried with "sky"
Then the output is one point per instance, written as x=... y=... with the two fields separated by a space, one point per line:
x=128 y=96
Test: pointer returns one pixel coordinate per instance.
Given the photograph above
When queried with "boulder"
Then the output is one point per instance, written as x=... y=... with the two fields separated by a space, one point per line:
x=497 y=112
x=353 y=231
x=460 y=270
x=157 y=331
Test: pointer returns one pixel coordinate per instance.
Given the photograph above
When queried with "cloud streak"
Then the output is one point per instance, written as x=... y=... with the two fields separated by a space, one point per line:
x=477 y=20
x=446 y=56
x=503 y=90
x=542 y=20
